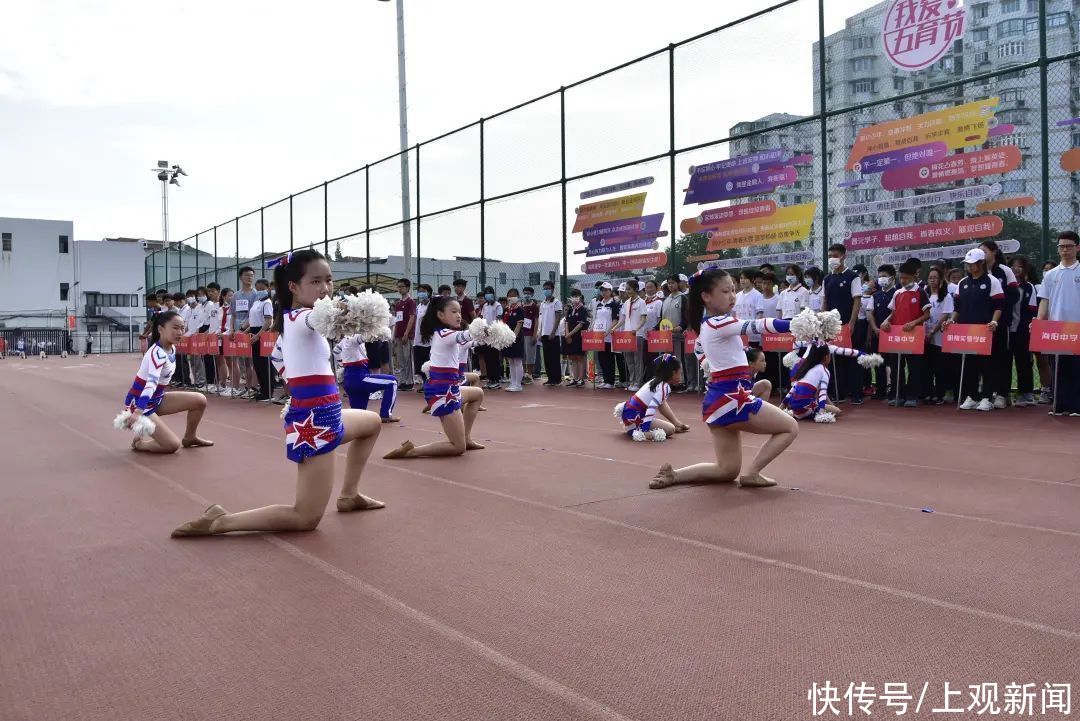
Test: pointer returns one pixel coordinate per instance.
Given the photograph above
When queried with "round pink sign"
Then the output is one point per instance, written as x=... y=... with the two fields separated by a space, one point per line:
x=916 y=33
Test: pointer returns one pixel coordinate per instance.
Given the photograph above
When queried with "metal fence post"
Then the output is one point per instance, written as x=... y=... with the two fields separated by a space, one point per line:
x=824 y=138
x=1045 y=134
x=671 y=154
x=367 y=223
x=325 y=221
x=419 y=260
x=290 y=224
x=564 y=283
x=216 y=280
x=483 y=251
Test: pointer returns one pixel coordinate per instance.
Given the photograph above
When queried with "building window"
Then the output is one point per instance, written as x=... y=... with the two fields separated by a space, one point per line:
x=862 y=86
x=865 y=42
x=534 y=278
x=91 y=328
x=551 y=276
x=947 y=64
x=1013 y=117
x=1057 y=20
x=1010 y=96
x=1010 y=6
x=5 y=238
x=918 y=84
x=457 y=275
x=1011 y=49
x=502 y=278
x=1014 y=75
x=63 y=244
x=898 y=84
x=133 y=301
x=898 y=216
x=862 y=65
x=1011 y=27
x=982 y=58
x=980 y=34
x=979 y=12
x=63 y=291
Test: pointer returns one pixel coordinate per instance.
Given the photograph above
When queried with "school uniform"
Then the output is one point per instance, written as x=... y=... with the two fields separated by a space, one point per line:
x=549 y=311
x=421 y=351
x=1000 y=351
x=975 y=302
x=491 y=312
x=880 y=311
x=404 y=311
x=529 y=335
x=1061 y=289
x=260 y=316
x=673 y=310
x=604 y=316
x=632 y=314
x=841 y=290
x=940 y=374
x=906 y=306
x=575 y=316
x=1024 y=310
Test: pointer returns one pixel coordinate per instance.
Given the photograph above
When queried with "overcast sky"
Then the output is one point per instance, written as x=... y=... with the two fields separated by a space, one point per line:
x=257 y=100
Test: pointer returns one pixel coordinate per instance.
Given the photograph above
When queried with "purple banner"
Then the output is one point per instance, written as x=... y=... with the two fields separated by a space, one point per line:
x=626 y=229
x=616 y=245
x=743 y=164
x=716 y=189
x=902 y=157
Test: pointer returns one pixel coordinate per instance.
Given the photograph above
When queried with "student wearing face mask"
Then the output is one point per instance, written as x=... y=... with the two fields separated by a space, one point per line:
x=886 y=282
x=843 y=293
x=492 y=311
x=515 y=354
x=795 y=296
x=260 y=318
x=815 y=289
x=909 y=307
x=421 y=351
x=631 y=318
x=604 y=316
x=197 y=322
x=529 y=333
x=577 y=320
x=550 y=318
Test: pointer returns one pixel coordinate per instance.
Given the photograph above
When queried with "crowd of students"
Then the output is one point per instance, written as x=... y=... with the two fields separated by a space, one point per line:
x=1003 y=294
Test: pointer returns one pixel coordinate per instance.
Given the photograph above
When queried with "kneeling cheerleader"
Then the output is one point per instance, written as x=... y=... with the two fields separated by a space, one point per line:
x=315 y=423
x=809 y=393
x=456 y=407
x=147 y=395
x=730 y=407
x=358 y=380
x=637 y=416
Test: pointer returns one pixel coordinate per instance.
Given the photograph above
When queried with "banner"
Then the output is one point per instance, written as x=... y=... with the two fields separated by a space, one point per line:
x=184 y=346
x=626 y=262
x=617 y=188
x=627 y=206
x=777 y=342
x=623 y=340
x=991 y=161
x=970 y=338
x=228 y=348
x=659 y=341
x=689 y=338
x=788 y=224
x=592 y=340
x=752 y=261
x=243 y=344
x=916 y=35
x=926 y=200
x=986 y=226
x=267 y=340
x=645 y=227
x=895 y=340
x=844 y=339
x=944 y=252
x=198 y=344
x=212 y=343
x=1055 y=337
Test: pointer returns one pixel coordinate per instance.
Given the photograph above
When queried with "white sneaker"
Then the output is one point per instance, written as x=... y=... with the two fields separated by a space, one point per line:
x=985 y=405
x=606 y=386
x=1025 y=400
x=1000 y=402
x=513 y=389
x=633 y=389
x=212 y=389
x=376 y=396
x=969 y=404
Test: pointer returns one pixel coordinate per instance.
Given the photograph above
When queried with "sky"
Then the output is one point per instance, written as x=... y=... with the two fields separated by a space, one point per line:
x=259 y=100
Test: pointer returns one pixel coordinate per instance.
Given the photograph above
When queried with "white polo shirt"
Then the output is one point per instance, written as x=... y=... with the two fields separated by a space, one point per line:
x=1061 y=288
x=548 y=309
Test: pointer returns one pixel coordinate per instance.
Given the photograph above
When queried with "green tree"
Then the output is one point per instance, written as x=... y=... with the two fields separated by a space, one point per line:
x=337 y=251
x=1028 y=233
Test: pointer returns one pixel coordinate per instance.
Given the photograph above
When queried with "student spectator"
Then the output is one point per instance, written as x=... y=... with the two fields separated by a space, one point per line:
x=243 y=299
x=404 y=323
x=604 y=317
x=886 y=283
x=577 y=320
x=445 y=291
x=421 y=351
x=654 y=308
x=843 y=293
x=260 y=318
x=1042 y=361
x=909 y=308
x=939 y=373
x=1025 y=308
x=794 y=297
x=198 y=321
x=631 y=319
x=815 y=296
x=673 y=310
x=1000 y=354
x=1059 y=300
x=226 y=380
x=551 y=311
x=211 y=325
x=979 y=299
x=183 y=363
x=529 y=333
x=515 y=354
x=491 y=311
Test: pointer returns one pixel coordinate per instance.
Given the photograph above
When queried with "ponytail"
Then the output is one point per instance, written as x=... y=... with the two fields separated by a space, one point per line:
x=289 y=268
x=700 y=283
x=813 y=358
x=158 y=320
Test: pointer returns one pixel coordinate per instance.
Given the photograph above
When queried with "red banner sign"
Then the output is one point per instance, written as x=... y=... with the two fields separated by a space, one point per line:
x=267 y=340
x=227 y=346
x=659 y=341
x=985 y=226
x=689 y=338
x=777 y=342
x=623 y=340
x=592 y=340
x=970 y=338
x=210 y=344
x=844 y=339
x=184 y=346
x=1055 y=337
x=243 y=344
x=895 y=340
x=627 y=262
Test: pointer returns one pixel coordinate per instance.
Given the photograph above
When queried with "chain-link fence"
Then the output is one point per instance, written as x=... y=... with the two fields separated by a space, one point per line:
x=767 y=139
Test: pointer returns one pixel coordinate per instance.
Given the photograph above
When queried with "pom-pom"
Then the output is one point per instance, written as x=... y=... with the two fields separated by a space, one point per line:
x=339 y=375
x=285 y=408
x=424 y=368
x=638 y=435
x=618 y=410
x=327 y=318
x=830 y=324
x=478 y=329
x=120 y=422
x=499 y=335
x=806 y=326
x=869 y=360
x=706 y=367
x=659 y=435
x=143 y=427
x=368 y=314
x=824 y=417
x=791 y=359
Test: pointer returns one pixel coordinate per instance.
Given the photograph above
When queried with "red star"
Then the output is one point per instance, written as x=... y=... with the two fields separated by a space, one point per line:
x=742 y=397
x=308 y=433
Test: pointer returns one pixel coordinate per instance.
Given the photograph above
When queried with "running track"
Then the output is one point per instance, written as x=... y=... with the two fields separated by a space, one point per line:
x=538 y=579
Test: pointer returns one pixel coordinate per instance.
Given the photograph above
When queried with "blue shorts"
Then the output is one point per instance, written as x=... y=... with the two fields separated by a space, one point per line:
x=442 y=391
x=729 y=401
x=634 y=419
x=151 y=406
x=312 y=431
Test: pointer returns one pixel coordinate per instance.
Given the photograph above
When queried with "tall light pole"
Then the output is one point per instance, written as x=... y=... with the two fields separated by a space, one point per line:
x=168 y=176
x=403 y=121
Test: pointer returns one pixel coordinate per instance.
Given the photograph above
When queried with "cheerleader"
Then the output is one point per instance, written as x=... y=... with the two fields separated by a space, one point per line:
x=315 y=423
x=147 y=395
x=808 y=396
x=637 y=416
x=456 y=407
x=360 y=383
x=730 y=406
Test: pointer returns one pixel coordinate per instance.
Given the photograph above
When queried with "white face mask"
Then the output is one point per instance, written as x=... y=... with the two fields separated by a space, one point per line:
x=884 y=281
x=791 y=279
x=202 y=298
x=191 y=301
x=834 y=264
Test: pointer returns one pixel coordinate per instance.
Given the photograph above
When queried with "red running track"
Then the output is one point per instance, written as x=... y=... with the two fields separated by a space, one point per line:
x=538 y=579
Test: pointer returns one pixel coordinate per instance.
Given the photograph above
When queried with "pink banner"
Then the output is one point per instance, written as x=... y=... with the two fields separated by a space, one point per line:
x=980 y=163
x=986 y=226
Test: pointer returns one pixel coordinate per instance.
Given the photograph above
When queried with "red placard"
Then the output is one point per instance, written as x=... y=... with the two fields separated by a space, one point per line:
x=659 y=341
x=242 y=342
x=198 y=344
x=144 y=345
x=184 y=346
x=623 y=340
x=266 y=343
x=210 y=341
x=227 y=345
x=777 y=342
x=895 y=340
x=844 y=339
x=689 y=339
x=592 y=340
x=1056 y=337
x=970 y=338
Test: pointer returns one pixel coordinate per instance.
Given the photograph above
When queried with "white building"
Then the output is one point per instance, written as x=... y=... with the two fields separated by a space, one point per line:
x=45 y=277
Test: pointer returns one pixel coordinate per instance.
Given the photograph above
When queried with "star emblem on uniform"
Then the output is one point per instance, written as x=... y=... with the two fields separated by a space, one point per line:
x=450 y=396
x=742 y=397
x=307 y=433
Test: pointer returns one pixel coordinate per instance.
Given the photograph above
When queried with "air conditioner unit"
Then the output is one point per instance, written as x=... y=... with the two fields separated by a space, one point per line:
x=144 y=244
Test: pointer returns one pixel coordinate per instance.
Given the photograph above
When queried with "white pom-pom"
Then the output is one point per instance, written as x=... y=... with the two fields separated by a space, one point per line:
x=659 y=435
x=618 y=410
x=706 y=367
x=830 y=324
x=143 y=427
x=870 y=360
x=806 y=326
x=369 y=313
x=424 y=368
x=325 y=318
x=285 y=408
x=478 y=329
x=339 y=375
x=638 y=435
x=384 y=334
x=824 y=417
x=791 y=359
x=499 y=335
x=120 y=422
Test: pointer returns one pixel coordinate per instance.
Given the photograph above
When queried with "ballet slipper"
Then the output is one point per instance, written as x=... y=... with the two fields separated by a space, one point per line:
x=196 y=442
x=391 y=419
x=755 y=480
x=471 y=445
x=200 y=526
x=664 y=477
x=359 y=502
x=401 y=451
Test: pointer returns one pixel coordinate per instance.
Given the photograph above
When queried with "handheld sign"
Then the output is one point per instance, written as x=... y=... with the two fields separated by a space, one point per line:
x=659 y=341
x=689 y=339
x=896 y=340
x=592 y=340
x=1055 y=337
x=623 y=340
x=967 y=338
x=266 y=343
x=777 y=342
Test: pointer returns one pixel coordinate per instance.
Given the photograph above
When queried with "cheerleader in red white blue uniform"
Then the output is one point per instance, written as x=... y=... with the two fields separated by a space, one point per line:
x=638 y=416
x=360 y=383
x=315 y=423
x=808 y=396
x=455 y=406
x=730 y=406
x=147 y=395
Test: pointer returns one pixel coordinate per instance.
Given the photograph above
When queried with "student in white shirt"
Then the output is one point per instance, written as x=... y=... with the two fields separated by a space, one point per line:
x=1059 y=300
x=195 y=325
x=421 y=351
x=604 y=316
x=551 y=311
x=815 y=297
x=183 y=360
x=631 y=319
x=212 y=324
x=770 y=301
x=260 y=318
x=654 y=308
x=748 y=302
x=794 y=297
